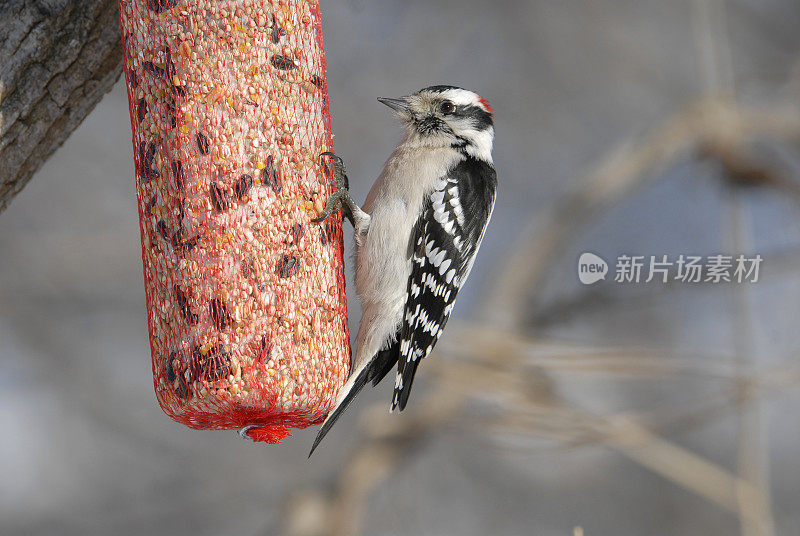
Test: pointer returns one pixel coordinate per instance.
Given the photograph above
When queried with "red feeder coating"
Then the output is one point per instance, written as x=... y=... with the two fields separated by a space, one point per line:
x=246 y=305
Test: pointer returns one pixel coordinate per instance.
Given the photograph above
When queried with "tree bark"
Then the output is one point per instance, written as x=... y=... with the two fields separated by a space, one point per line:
x=57 y=60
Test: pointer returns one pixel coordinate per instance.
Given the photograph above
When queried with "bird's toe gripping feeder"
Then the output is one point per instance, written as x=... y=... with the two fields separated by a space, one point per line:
x=246 y=305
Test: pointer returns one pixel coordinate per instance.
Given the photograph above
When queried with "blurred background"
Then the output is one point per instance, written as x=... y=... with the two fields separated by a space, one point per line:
x=638 y=127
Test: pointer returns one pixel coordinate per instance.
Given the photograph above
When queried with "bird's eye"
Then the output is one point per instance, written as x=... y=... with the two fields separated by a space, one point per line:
x=447 y=107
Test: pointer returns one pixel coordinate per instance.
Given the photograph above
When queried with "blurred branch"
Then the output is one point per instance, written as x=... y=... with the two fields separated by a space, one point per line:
x=756 y=517
x=677 y=464
x=709 y=20
x=498 y=348
x=752 y=504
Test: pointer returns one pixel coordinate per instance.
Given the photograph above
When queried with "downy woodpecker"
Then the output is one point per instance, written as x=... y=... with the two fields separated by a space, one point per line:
x=417 y=234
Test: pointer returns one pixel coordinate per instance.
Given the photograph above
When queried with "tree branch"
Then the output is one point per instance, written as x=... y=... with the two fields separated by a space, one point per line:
x=59 y=57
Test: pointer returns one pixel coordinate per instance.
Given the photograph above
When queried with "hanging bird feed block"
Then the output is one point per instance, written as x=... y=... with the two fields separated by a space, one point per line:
x=245 y=295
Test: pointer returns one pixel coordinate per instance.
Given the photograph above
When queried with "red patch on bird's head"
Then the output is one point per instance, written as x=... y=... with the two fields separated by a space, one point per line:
x=486 y=105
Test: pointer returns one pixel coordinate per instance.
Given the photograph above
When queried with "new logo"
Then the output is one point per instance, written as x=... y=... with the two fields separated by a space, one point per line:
x=591 y=268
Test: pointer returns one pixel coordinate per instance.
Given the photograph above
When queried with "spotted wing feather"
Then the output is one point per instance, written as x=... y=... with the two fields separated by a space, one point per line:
x=443 y=246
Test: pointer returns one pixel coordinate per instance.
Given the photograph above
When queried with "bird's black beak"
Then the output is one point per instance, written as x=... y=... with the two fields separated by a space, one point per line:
x=399 y=105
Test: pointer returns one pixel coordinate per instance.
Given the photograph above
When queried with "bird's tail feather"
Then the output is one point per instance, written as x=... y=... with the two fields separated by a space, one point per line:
x=405 y=372
x=384 y=361
x=374 y=371
x=358 y=382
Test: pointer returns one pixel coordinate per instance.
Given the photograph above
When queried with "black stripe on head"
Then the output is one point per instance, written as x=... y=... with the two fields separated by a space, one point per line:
x=483 y=119
x=431 y=124
x=438 y=89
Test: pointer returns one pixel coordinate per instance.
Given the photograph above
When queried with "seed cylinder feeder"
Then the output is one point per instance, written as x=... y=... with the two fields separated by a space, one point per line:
x=245 y=295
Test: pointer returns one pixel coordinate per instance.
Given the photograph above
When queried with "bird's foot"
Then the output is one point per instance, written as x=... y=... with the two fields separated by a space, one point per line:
x=340 y=199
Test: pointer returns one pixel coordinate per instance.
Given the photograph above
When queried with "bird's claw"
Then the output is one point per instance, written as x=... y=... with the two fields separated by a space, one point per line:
x=340 y=199
x=333 y=205
x=339 y=172
x=335 y=157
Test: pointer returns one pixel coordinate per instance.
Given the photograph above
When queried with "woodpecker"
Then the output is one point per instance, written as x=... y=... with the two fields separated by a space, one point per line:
x=416 y=235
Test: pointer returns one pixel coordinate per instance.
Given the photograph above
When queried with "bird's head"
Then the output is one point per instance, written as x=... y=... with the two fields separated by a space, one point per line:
x=440 y=116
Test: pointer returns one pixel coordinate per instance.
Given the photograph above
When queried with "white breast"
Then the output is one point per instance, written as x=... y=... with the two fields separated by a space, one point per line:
x=382 y=256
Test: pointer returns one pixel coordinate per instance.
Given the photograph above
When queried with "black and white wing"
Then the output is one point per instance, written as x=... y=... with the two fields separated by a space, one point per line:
x=442 y=247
